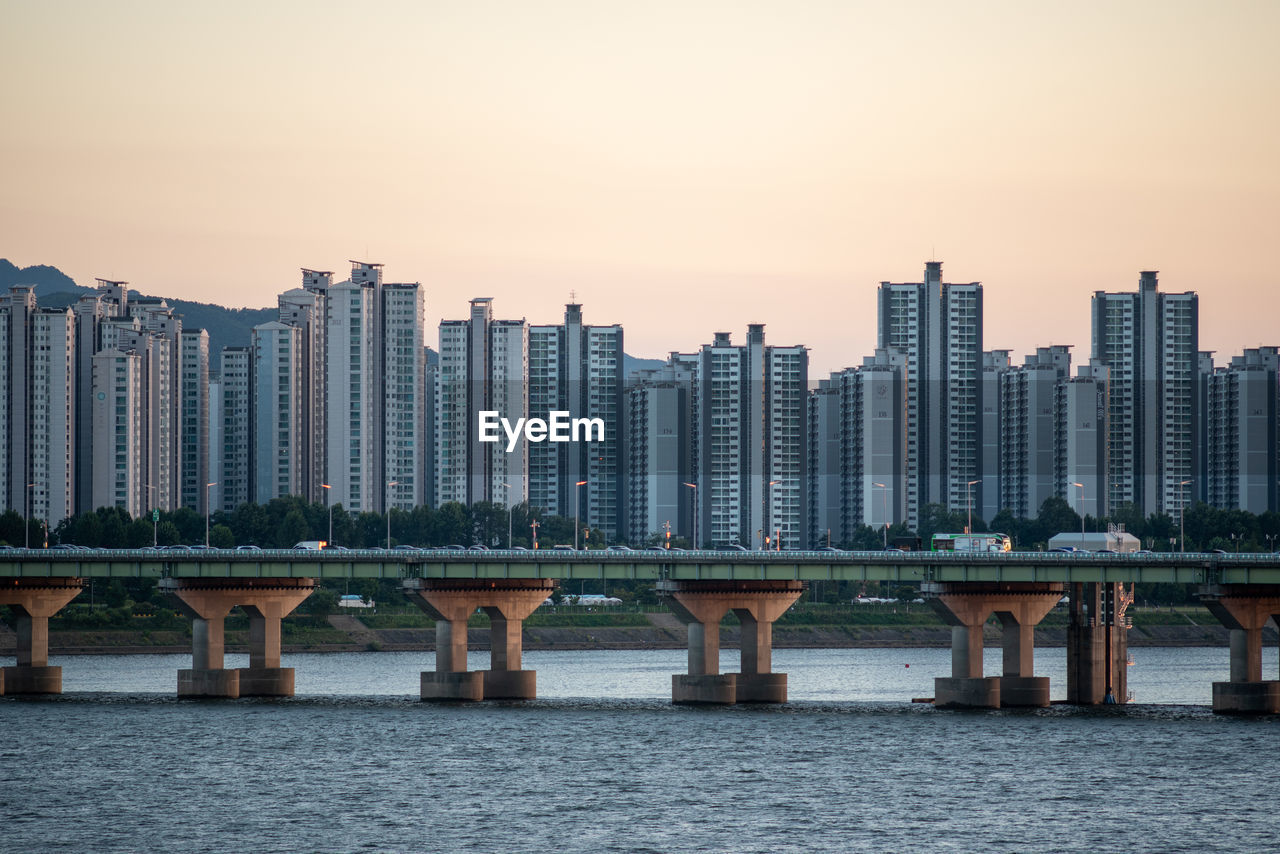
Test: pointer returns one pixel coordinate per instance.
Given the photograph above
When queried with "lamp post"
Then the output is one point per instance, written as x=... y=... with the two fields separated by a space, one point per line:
x=694 y=534
x=26 y=518
x=768 y=528
x=1081 y=485
x=207 y=487
x=884 y=492
x=1271 y=541
x=534 y=526
x=390 y=484
x=968 y=490
x=1182 y=518
x=510 y=511
x=327 y=487
x=577 y=492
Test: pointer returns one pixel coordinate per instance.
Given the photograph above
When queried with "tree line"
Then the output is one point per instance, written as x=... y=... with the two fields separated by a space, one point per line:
x=283 y=522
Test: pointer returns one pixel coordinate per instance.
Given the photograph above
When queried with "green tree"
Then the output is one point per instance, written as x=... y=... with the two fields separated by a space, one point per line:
x=220 y=537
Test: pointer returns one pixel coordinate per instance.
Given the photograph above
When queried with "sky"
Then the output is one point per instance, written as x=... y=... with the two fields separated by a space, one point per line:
x=681 y=168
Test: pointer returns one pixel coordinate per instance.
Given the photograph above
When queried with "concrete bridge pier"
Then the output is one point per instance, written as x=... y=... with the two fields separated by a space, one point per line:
x=450 y=602
x=702 y=605
x=965 y=606
x=34 y=601
x=1098 y=643
x=207 y=602
x=1245 y=610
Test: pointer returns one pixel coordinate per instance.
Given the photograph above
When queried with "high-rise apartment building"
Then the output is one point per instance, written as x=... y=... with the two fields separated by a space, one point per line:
x=193 y=433
x=1150 y=343
x=237 y=426
x=1028 y=423
x=276 y=362
x=857 y=427
x=659 y=463
x=753 y=435
x=354 y=391
x=1081 y=450
x=118 y=417
x=51 y=421
x=305 y=308
x=938 y=326
x=1242 y=435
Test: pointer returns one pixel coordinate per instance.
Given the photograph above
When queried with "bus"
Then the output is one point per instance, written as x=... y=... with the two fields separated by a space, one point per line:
x=971 y=543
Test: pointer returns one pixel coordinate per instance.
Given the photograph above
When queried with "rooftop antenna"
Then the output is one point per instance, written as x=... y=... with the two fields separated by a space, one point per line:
x=573 y=296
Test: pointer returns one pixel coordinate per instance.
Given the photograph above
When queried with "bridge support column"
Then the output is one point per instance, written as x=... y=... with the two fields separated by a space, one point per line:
x=965 y=606
x=34 y=601
x=1098 y=643
x=508 y=603
x=1244 y=609
x=207 y=602
x=702 y=605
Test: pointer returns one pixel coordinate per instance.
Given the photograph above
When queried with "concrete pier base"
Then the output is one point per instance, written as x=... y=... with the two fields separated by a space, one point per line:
x=761 y=687
x=450 y=602
x=701 y=605
x=950 y=692
x=1245 y=609
x=451 y=687
x=207 y=601
x=965 y=606
x=266 y=681
x=705 y=689
x=510 y=684
x=212 y=683
x=1024 y=691
x=31 y=680
x=1246 y=698
x=34 y=601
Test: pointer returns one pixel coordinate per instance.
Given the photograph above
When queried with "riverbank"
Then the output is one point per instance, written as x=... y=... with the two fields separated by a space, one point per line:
x=661 y=631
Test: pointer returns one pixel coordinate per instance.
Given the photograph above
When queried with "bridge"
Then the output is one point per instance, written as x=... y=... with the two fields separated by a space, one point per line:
x=701 y=586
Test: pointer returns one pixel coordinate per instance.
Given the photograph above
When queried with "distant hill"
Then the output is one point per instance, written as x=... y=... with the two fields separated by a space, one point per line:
x=227 y=327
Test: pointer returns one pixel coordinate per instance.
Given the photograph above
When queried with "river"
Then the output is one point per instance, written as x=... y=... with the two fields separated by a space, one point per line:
x=603 y=762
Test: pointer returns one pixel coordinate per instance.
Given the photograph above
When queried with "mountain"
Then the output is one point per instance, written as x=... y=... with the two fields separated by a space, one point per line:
x=227 y=327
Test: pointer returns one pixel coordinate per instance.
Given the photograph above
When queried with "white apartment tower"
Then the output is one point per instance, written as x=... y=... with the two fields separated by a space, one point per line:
x=659 y=463
x=51 y=423
x=752 y=455
x=1028 y=424
x=276 y=360
x=354 y=391
x=118 y=415
x=1150 y=343
x=483 y=366
x=404 y=411
x=305 y=308
x=938 y=326
x=193 y=433
x=236 y=427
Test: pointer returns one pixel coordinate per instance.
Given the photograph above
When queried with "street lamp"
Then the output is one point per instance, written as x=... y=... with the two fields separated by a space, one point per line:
x=390 y=484
x=768 y=528
x=155 y=518
x=26 y=517
x=534 y=526
x=1271 y=541
x=510 y=510
x=330 y=503
x=969 y=493
x=1081 y=485
x=207 y=487
x=884 y=492
x=577 y=492
x=1182 y=518
x=694 y=535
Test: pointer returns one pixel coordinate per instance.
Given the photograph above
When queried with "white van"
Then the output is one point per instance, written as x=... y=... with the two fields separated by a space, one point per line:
x=311 y=545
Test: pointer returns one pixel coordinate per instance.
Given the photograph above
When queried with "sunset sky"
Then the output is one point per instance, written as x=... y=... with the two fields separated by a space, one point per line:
x=684 y=167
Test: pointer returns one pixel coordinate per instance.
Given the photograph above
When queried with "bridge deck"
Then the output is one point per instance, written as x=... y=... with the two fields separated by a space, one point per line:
x=647 y=565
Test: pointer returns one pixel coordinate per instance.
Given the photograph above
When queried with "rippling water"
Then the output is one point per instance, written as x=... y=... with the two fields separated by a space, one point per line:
x=603 y=762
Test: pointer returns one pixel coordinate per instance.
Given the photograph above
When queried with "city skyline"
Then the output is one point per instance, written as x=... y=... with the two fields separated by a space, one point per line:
x=668 y=163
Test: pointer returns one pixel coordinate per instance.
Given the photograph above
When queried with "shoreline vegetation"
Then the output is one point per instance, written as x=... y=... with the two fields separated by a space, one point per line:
x=85 y=630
